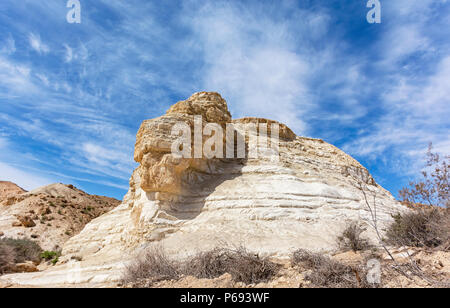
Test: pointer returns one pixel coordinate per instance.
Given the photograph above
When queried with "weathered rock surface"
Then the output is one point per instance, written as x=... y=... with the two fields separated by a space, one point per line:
x=302 y=200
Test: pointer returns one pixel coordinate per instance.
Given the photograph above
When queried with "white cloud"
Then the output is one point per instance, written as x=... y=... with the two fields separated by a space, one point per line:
x=413 y=93
x=69 y=53
x=250 y=60
x=402 y=41
x=15 y=77
x=37 y=44
x=44 y=79
x=77 y=53
x=28 y=181
x=418 y=114
x=109 y=160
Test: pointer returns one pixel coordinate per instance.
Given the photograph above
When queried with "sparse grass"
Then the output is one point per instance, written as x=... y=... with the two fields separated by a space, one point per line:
x=351 y=238
x=52 y=256
x=17 y=251
x=242 y=265
x=48 y=255
x=323 y=272
x=55 y=260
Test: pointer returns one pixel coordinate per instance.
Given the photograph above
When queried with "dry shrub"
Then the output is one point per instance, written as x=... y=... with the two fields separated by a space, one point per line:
x=151 y=264
x=241 y=264
x=421 y=228
x=6 y=258
x=14 y=251
x=433 y=189
x=323 y=272
x=208 y=264
x=351 y=238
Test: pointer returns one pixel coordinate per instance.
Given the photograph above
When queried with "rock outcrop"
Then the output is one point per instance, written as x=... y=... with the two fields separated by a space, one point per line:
x=8 y=191
x=302 y=199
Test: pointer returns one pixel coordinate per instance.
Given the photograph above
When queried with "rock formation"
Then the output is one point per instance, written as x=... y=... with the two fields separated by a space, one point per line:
x=303 y=199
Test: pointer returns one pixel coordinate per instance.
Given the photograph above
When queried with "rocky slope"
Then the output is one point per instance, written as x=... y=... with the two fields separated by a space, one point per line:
x=9 y=190
x=304 y=198
x=52 y=214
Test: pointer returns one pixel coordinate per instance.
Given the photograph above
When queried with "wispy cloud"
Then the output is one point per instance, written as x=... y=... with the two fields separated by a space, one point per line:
x=414 y=95
x=69 y=53
x=15 y=78
x=37 y=44
x=27 y=180
x=250 y=56
x=8 y=45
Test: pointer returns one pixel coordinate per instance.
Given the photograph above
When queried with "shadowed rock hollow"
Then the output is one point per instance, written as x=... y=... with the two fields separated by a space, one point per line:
x=304 y=199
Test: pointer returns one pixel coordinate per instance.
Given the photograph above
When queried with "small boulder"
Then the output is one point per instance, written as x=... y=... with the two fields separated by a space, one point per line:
x=26 y=221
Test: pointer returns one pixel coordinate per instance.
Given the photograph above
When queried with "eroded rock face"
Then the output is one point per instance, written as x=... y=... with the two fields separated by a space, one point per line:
x=303 y=199
x=159 y=170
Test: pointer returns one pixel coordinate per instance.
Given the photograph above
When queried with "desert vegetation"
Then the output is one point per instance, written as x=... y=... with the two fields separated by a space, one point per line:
x=14 y=251
x=51 y=256
x=428 y=224
x=324 y=272
x=244 y=266
x=433 y=187
x=427 y=228
x=352 y=239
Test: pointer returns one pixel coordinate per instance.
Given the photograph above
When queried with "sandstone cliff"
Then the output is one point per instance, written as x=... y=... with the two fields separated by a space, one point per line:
x=303 y=199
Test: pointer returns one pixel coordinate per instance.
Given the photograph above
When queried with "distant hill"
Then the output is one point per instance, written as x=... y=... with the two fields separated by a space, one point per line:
x=51 y=214
x=9 y=189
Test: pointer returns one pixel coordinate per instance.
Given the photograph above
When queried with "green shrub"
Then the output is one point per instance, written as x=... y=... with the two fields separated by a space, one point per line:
x=52 y=256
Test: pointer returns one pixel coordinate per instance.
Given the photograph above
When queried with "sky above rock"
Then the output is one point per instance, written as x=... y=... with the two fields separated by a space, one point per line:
x=72 y=96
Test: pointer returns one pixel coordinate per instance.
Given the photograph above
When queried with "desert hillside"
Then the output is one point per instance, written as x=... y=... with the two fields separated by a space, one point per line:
x=49 y=215
x=9 y=189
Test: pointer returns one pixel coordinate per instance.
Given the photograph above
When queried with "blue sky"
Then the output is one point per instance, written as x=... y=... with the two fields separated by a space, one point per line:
x=72 y=96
